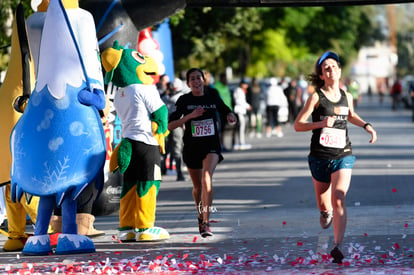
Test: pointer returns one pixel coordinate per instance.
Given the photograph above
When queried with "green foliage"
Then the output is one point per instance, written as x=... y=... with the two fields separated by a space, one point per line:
x=214 y=38
x=7 y=9
x=253 y=41
x=269 y=41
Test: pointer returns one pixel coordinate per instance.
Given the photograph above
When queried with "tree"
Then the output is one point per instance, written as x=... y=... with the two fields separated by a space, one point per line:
x=268 y=41
x=214 y=38
x=7 y=8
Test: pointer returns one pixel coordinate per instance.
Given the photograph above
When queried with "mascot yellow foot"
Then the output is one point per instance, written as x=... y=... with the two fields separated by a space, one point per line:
x=13 y=245
x=152 y=234
x=148 y=235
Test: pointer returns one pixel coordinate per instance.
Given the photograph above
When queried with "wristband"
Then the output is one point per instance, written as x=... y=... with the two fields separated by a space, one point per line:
x=367 y=124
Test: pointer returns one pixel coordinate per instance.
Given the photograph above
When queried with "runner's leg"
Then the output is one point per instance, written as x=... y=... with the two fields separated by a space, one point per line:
x=209 y=165
x=341 y=181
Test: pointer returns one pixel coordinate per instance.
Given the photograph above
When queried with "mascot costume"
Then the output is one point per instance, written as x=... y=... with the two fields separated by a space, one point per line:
x=84 y=218
x=144 y=122
x=58 y=146
x=17 y=85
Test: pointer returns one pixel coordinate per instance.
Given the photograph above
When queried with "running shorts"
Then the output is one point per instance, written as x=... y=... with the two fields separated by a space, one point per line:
x=321 y=169
x=193 y=157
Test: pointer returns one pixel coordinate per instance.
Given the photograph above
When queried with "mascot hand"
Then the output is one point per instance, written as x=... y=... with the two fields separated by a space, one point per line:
x=159 y=136
x=20 y=103
x=96 y=98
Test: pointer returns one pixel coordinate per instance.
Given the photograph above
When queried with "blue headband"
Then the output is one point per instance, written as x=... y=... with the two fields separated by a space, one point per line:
x=327 y=55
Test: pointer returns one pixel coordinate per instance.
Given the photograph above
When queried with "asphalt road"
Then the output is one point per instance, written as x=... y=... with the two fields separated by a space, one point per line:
x=265 y=217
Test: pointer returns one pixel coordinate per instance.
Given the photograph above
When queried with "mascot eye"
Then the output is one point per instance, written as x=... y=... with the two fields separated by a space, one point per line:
x=138 y=57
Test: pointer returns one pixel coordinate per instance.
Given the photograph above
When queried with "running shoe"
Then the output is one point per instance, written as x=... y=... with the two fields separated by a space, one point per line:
x=326 y=219
x=205 y=230
x=337 y=255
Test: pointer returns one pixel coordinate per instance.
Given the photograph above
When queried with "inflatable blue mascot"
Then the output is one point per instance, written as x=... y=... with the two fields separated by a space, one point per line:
x=58 y=145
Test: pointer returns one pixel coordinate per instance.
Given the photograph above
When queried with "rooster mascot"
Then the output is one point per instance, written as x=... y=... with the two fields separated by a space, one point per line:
x=144 y=121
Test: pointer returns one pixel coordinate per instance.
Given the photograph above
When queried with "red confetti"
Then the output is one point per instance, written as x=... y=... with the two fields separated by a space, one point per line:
x=394 y=190
x=194 y=239
x=406 y=225
x=284 y=223
x=365 y=234
x=325 y=257
x=185 y=256
x=300 y=243
x=396 y=246
x=313 y=262
x=213 y=221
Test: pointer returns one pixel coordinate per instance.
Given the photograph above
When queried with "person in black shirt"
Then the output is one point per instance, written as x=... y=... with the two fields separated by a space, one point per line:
x=198 y=110
x=330 y=158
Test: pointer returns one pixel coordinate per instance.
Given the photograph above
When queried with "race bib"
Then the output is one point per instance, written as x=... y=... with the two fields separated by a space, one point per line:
x=334 y=138
x=202 y=128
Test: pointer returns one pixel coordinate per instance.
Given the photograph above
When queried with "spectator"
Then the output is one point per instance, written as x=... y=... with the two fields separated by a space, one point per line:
x=175 y=138
x=240 y=108
x=274 y=99
x=162 y=84
x=412 y=99
x=292 y=93
x=225 y=95
x=396 y=91
x=254 y=98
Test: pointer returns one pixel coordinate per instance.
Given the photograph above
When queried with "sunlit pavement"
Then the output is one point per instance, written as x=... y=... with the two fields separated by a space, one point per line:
x=265 y=218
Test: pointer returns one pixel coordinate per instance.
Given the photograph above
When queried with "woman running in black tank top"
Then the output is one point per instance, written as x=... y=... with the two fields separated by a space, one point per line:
x=330 y=159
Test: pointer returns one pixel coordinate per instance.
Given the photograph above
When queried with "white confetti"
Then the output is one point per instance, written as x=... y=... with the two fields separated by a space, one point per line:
x=220 y=260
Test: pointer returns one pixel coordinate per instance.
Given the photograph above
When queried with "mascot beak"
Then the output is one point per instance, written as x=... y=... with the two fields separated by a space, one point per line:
x=147 y=71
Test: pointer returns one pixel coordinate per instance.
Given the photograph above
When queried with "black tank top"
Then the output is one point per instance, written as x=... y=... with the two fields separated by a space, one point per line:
x=331 y=143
